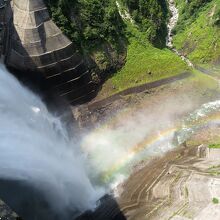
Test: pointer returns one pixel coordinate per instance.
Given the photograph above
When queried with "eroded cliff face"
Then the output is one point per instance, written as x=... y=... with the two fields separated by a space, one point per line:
x=38 y=48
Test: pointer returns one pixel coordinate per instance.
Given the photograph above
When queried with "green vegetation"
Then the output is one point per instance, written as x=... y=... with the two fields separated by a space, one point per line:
x=90 y=24
x=189 y=11
x=87 y=22
x=214 y=170
x=205 y=80
x=198 y=31
x=216 y=146
x=215 y=201
x=99 y=31
x=151 y=17
x=144 y=64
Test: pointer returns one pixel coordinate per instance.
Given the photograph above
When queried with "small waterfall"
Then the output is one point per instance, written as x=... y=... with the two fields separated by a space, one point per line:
x=172 y=22
x=170 y=26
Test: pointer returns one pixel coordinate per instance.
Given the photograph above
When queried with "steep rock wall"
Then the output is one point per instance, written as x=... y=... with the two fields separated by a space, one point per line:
x=38 y=47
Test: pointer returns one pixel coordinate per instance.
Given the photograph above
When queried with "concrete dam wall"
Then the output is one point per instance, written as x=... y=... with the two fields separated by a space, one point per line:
x=36 y=47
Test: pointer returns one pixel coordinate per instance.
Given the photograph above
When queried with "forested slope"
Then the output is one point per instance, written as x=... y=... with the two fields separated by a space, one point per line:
x=198 y=31
x=132 y=51
x=128 y=37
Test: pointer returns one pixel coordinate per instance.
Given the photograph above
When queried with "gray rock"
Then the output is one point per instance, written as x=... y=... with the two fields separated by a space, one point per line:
x=6 y=213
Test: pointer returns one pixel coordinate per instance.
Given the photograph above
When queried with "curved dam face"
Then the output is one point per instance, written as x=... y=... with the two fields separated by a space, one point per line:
x=38 y=48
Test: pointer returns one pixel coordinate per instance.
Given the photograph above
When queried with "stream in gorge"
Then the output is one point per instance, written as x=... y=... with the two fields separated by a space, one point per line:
x=170 y=26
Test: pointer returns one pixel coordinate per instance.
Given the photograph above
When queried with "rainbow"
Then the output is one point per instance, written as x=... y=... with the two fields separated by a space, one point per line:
x=135 y=150
x=151 y=141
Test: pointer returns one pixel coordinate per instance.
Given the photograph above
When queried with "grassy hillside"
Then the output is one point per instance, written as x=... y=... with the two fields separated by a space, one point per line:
x=145 y=63
x=140 y=25
x=151 y=17
x=198 y=31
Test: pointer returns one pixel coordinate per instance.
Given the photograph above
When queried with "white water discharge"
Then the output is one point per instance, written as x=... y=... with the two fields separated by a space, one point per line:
x=170 y=26
x=172 y=22
x=35 y=149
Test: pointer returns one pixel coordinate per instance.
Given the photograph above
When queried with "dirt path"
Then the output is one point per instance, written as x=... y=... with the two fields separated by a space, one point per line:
x=137 y=89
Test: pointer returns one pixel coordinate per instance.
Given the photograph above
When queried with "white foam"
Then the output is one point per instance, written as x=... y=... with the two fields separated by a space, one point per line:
x=35 y=148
